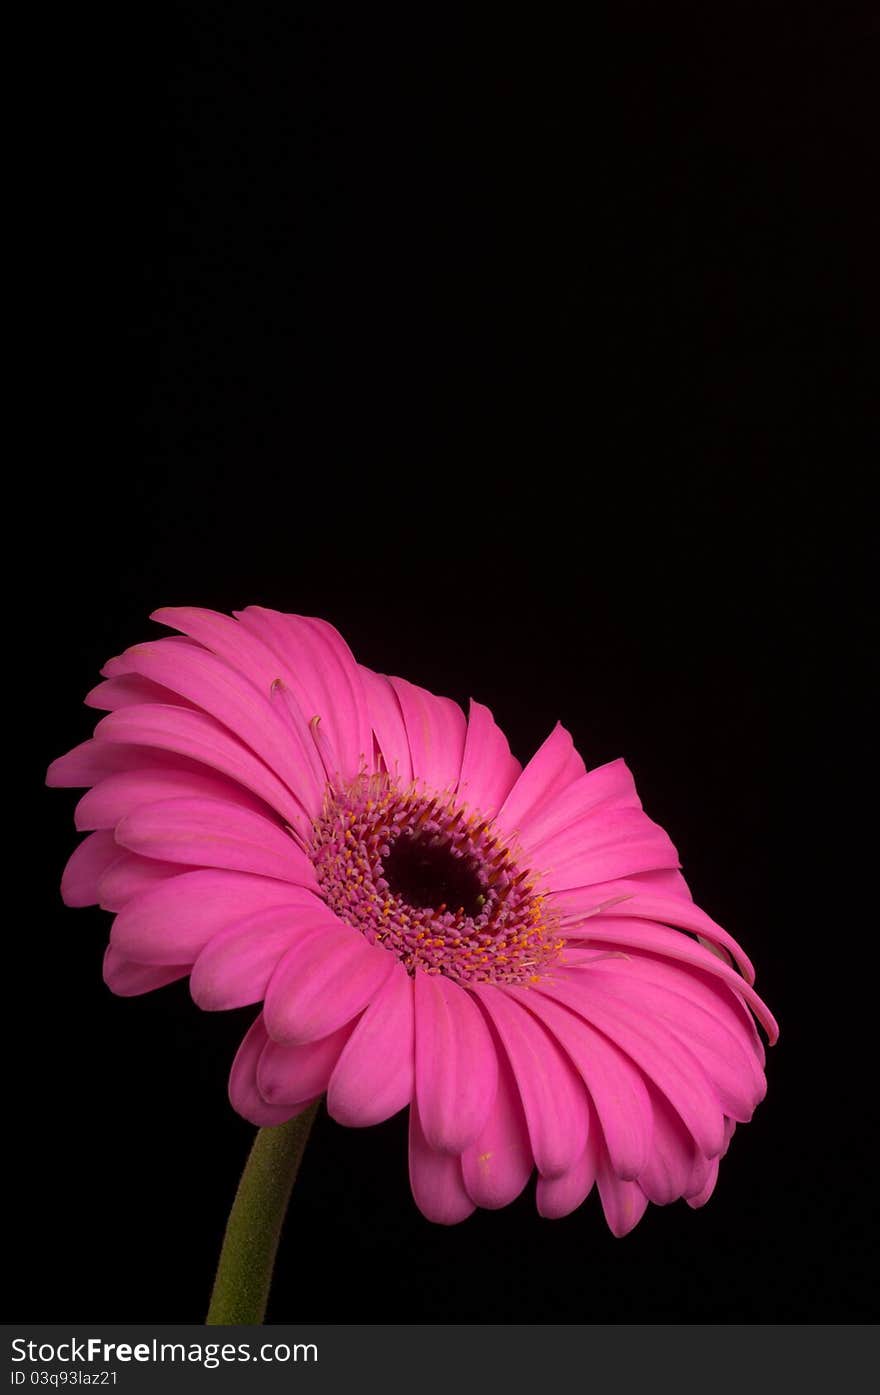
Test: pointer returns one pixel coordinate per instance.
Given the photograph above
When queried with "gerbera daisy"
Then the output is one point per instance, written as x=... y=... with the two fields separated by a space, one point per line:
x=510 y=953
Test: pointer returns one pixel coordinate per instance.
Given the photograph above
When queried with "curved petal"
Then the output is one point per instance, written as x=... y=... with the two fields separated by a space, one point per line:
x=215 y=833
x=700 y=1173
x=130 y=876
x=235 y=966
x=674 y=1069
x=702 y=1196
x=604 y=848
x=172 y=923
x=435 y=730
x=253 y=661
x=629 y=898
x=121 y=665
x=488 y=770
x=86 y=865
x=288 y=1074
x=388 y=725
x=375 y=1075
x=202 y=739
x=435 y=1178
x=499 y=1162
x=606 y=788
x=237 y=641
x=127 y=979
x=615 y=1085
x=92 y=761
x=559 y=1196
x=117 y=795
x=130 y=690
x=725 y=1056
x=674 y=1160
x=553 y=766
x=624 y=1203
x=324 y=981
x=552 y=1095
x=240 y=706
x=715 y=996
x=668 y=882
x=699 y=1196
x=672 y=944
x=244 y=1096
x=456 y=1063
x=318 y=658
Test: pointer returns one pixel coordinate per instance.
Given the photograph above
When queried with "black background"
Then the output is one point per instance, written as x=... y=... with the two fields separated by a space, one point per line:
x=535 y=362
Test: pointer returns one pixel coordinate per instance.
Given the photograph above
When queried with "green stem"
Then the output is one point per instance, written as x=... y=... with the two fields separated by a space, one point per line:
x=244 y=1273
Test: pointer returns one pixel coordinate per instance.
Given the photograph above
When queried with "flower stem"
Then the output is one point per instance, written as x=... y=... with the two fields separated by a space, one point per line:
x=244 y=1272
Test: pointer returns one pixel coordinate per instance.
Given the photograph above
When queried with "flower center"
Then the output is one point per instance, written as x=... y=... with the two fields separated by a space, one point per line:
x=431 y=881
x=424 y=872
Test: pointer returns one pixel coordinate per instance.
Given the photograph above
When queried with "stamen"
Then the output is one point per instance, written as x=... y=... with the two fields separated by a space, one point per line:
x=329 y=758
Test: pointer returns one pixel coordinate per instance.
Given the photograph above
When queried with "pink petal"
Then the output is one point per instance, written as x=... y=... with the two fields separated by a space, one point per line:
x=701 y=1170
x=129 y=691
x=229 y=639
x=388 y=725
x=117 y=795
x=95 y=760
x=374 y=1076
x=324 y=981
x=240 y=706
x=552 y=1095
x=603 y=848
x=661 y=1056
x=317 y=656
x=435 y=1178
x=131 y=875
x=702 y=1196
x=288 y=1074
x=725 y=1055
x=215 y=833
x=200 y=738
x=672 y=944
x=244 y=1096
x=172 y=923
x=488 y=770
x=648 y=905
x=128 y=980
x=456 y=1063
x=710 y=992
x=559 y=1196
x=336 y=684
x=85 y=867
x=667 y=882
x=121 y=665
x=499 y=1162
x=553 y=766
x=435 y=729
x=624 y=1203
x=604 y=789
x=256 y=666
x=674 y=1159
x=616 y=1086
x=235 y=966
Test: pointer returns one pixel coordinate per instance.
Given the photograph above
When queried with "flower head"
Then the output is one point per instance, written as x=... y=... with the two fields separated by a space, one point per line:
x=510 y=952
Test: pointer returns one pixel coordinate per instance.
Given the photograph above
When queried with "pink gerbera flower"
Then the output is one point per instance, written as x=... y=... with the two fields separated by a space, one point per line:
x=512 y=953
